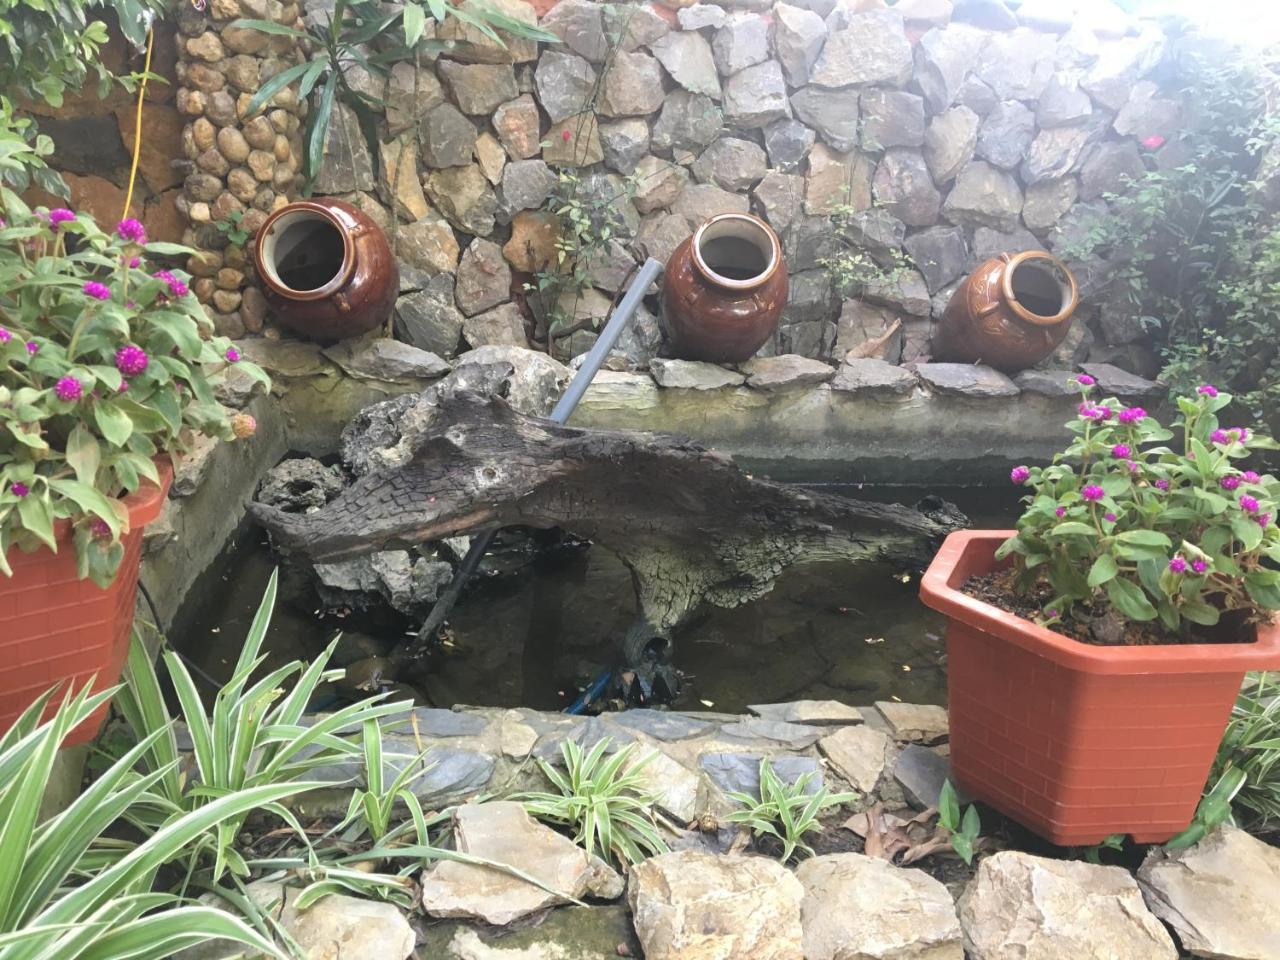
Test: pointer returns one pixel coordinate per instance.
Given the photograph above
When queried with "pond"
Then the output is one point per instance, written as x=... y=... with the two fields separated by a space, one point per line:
x=532 y=634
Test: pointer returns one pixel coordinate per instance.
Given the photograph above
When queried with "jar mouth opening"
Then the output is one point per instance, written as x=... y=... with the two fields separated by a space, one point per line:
x=736 y=251
x=1039 y=288
x=303 y=252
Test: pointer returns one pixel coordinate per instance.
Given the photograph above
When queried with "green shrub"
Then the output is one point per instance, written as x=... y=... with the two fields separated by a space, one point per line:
x=785 y=811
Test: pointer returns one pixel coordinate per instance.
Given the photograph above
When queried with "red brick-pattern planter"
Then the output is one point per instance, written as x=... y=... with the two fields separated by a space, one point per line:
x=1077 y=741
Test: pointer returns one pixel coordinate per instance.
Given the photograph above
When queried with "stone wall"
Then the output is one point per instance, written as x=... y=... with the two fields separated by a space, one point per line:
x=956 y=132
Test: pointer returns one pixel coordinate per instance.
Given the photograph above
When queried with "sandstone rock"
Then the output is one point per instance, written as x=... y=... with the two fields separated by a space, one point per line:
x=798 y=37
x=687 y=57
x=465 y=198
x=731 y=163
x=472 y=46
x=857 y=907
x=624 y=142
x=984 y=196
x=787 y=142
x=574 y=142
x=502 y=326
x=903 y=187
x=865 y=331
x=860 y=754
x=891 y=118
x=1062 y=102
x=690 y=904
x=428 y=245
x=699 y=201
x=580 y=25
x=517 y=124
x=502 y=832
x=871 y=48
x=699 y=16
x=943 y=59
x=399 y=161
x=532 y=246
x=949 y=143
x=1054 y=153
x=940 y=255
x=743 y=41
x=837 y=178
x=526 y=184
x=632 y=86
x=1047 y=201
x=404 y=110
x=491 y=157
x=918 y=722
x=693 y=375
x=1109 y=168
x=448 y=138
x=659 y=184
x=756 y=96
x=780 y=373
x=478 y=88
x=1006 y=134
x=429 y=318
x=966 y=379
x=832 y=113
x=565 y=84
x=483 y=280
x=687 y=122
x=1081 y=910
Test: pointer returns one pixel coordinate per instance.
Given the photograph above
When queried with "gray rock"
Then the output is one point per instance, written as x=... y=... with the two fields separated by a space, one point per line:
x=371 y=431
x=1045 y=202
x=798 y=37
x=1078 y=907
x=663 y=725
x=534 y=383
x=871 y=48
x=658 y=183
x=688 y=121
x=500 y=831
x=1109 y=168
x=687 y=57
x=984 y=196
x=873 y=377
x=465 y=197
x=756 y=96
x=832 y=113
x=837 y=179
x=437 y=722
x=624 y=143
x=810 y=338
x=642 y=339
x=404 y=110
x=977 y=96
x=742 y=42
x=478 y=88
x=809 y=297
x=660 y=234
x=891 y=118
x=903 y=187
x=693 y=375
x=448 y=138
x=610 y=270
x=501 y=326
x=632 y=86
x=940 y=255
x=526 y=184
x=1146 y=114
x=300 y=485
x=1113 y=380
x=988 y=14
x=740 y=772
x=949 y=143
x=580 y=25
x=966 y=379
x=921 y=772
x=700 y=16
x=484 y=279
x=943 y=59
x=1054 y=153
x=988 y=243
x=586 y=733
x=906 y=291
x=859 y=754
x=878 y=231
x=865 y=331
x=901 y=914
x=1218 y=896
x=1017 y=65
x=778 y=197
x=1062 y=102
x=408 y=584
x=1120 y=64
x=1047 y=383
x=787 y=141
x=345 y=165
x=564 y=83
x=814 y=712
x=383 y=359
x=700 y=201
x=1006 y=134
x=635 y=25
x=732 y=163
x=797 y=736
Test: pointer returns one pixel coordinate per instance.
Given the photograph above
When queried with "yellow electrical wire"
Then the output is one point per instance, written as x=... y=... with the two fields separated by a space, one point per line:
x=137 y=125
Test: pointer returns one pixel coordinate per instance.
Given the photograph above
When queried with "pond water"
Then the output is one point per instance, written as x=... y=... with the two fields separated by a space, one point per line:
x=530 y=636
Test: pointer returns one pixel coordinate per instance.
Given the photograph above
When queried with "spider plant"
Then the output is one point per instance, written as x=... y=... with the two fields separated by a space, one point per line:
x=69 y=893
x=1251 y=744
x=785 y=811
x=602 y=798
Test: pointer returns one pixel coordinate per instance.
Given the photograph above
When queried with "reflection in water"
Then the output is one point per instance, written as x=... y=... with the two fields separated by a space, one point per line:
x=851 y=632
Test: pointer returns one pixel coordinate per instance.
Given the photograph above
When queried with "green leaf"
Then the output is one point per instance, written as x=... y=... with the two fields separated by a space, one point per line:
x=319 y=121
x=36 y=515
x=269 y=26
x=84 y=454
x=1246 y=530
x=1263 y=590
x=1197 y=611
x=1130 y=600
x=948 y=807
x=1074 y=528
x=1103 y=569
x=114 y=423
x=274 y=86
x=415 y=20
x=1145 y=538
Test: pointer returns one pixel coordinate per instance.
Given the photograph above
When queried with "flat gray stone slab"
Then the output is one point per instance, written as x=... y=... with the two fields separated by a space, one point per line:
x=1122 y=383
x=797 y=736
x=788 y=370
x=693 y=375
x=921 y=773
x=1049 y=383
x=814 y=712
x=867 y=375
x=661 y=725
x=920 y=722
x=585 y=734
x=740 y=772
x=437 y=722
x=967 y=379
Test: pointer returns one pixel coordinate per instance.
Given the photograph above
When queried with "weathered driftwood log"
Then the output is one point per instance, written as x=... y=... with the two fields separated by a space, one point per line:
x=688 y=523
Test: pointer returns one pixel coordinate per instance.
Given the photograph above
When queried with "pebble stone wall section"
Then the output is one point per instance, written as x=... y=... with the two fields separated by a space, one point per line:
x=236 y=164
x=957 y=130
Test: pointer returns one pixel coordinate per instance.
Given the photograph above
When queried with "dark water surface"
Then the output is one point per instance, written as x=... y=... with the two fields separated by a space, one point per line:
x=855 y=632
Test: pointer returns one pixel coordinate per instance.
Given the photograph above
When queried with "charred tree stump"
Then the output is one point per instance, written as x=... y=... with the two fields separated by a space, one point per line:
x=685 y=520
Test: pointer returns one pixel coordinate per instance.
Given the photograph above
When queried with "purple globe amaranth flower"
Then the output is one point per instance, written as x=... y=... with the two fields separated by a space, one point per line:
x=1121 y=451
x=1229 y=482
x=1102 y=413
x=1085 y=380
x=1208 y=389
x=1133 y=465
x=1251 y=477
x=1262 y=519
x=1093 y=493
x=132 y=230
x=1109 y=517
x=1248 y=504
x=1060 y=511
x=1199 y=566
x=1178 y=565
x=1019 y=474
x=5 y=335
x=131 y=360
x=59 y=216
x=69 y=388
x=1220 y=436
x=135 y=263
x=1051 y=613
x=99 y=291
x=99 y=528
x=232 y=355
x=1131 y=415
x=1162 y=484
x=19 y=489
x=32 y=347
x=176 y=287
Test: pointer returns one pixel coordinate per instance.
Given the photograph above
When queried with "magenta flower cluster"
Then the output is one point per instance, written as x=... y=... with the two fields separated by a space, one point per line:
x=19 y=489
x=131 y=360
x=1131 y=415
x=1229 y=482
x=60 y=216
x=1208 y=389
x=132 y=230
x=1085 y=380
x=68 y=388
x=1019 y=474
x=232 y=355
x=5 y=335
x=1093 y=493
x=1178 y=565
x=176 y=287
x=1121 y=451
x=1249 y=504
x=99 y=291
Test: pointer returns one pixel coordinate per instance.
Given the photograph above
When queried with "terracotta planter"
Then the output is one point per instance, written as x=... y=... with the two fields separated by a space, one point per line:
x=724 y=290
x=57 y=629
x=326 y=269
x=1078 y=741
x=1010 y=313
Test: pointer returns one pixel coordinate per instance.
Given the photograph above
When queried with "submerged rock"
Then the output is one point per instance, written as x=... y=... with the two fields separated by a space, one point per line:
x=300 y=485
x=406 y=583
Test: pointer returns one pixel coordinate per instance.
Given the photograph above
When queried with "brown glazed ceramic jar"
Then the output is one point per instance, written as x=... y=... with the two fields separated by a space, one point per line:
x=1010 y=313
x=724 y=289
x=326 y=269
